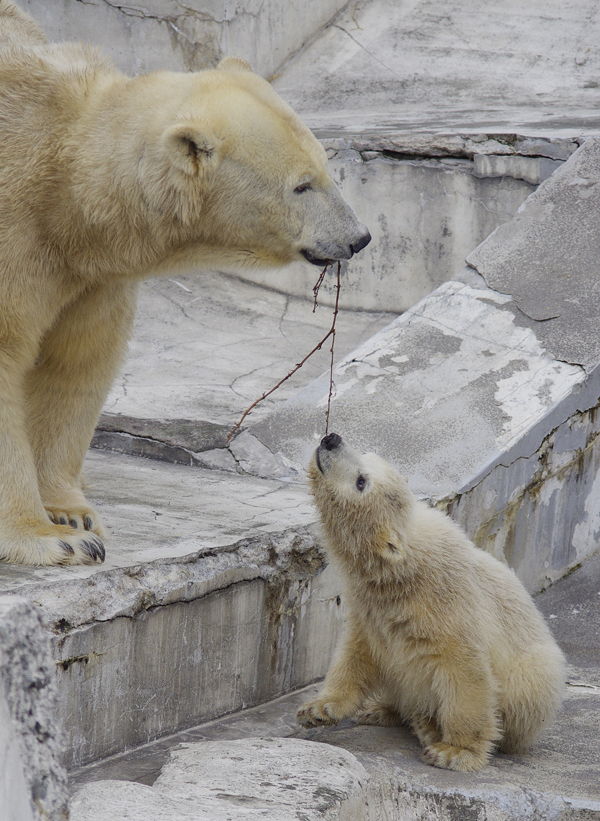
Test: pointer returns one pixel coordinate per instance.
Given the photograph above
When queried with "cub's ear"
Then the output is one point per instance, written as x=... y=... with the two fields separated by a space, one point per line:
x=190 y=149
x=233 y=64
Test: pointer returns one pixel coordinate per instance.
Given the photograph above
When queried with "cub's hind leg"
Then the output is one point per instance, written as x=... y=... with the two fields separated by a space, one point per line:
x=466 y=714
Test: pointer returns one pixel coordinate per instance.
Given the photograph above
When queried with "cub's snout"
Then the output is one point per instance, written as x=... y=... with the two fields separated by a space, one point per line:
x=329 y=443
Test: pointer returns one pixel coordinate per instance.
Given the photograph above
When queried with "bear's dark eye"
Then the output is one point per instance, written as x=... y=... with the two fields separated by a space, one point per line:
x=300 y=189
x=361 y=482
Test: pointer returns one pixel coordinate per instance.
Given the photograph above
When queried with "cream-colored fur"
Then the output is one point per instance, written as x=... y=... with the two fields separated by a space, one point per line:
x=440 y=634
x=105 y=179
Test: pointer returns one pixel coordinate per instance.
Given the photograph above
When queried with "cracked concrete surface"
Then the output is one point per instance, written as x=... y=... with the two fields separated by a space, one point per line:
x=168 y=34
x=206 y=345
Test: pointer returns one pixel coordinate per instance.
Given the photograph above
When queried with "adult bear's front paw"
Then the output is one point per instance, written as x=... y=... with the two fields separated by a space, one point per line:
x=53 y=545
x=79 y=518
x=73 y=509
x=319 y=712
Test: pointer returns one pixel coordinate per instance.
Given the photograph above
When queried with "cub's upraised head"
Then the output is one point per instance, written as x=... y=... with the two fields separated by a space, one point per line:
x=362 y=500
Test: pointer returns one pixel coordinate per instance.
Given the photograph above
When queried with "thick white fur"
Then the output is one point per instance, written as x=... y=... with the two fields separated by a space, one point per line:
x=440 y=634
x=105 y=179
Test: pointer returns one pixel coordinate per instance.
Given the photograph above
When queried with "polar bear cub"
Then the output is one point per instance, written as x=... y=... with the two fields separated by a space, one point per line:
x=440 y=635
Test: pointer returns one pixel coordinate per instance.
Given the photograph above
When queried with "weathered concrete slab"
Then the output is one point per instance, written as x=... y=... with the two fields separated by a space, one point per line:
x=33 y=784
x=205 y=346
x=168 y=34
x=272 y=779
x=546 y=259
x=426 y=66
x=558 y=779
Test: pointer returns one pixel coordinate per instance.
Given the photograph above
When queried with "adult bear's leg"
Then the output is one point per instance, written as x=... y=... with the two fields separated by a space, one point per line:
x=26 y=534
x=78 y=362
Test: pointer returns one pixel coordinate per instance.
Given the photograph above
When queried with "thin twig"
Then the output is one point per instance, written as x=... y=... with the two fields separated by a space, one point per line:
x=330 y=333
x=331 y=384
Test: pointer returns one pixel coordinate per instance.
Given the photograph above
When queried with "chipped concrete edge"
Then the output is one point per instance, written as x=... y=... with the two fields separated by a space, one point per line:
x=129 y=591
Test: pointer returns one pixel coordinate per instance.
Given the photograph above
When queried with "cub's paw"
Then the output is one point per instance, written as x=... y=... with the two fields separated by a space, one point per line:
x=318 y=713
x=53 y=545
x=448 y=757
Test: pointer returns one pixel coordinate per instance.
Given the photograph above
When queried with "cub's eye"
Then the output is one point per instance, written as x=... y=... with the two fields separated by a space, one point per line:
x=361 y=482
x=300 y=189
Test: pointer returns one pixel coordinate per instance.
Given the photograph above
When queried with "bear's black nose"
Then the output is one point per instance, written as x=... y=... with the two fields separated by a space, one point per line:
x=361 y=243
x=331 y=441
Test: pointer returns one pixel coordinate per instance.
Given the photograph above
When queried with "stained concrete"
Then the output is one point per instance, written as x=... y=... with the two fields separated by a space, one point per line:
x=424 y=67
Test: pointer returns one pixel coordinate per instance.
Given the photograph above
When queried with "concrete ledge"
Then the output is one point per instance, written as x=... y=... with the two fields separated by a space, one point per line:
x=211 y=600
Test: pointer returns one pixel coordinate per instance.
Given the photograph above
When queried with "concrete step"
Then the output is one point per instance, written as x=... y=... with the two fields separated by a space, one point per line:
x=211 y=597
x=259 y=763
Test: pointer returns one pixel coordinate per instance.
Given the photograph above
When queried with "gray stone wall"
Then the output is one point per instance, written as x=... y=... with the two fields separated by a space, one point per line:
x=32 y=779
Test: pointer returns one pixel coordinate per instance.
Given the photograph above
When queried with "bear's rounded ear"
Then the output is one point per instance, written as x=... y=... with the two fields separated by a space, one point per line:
x=234 y=64
x=189 y=148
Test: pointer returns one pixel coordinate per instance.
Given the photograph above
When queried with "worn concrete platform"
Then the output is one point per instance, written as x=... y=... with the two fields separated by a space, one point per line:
x=246 y=766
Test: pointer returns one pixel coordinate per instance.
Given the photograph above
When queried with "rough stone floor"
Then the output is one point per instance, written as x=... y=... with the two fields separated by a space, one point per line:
x=558 y=778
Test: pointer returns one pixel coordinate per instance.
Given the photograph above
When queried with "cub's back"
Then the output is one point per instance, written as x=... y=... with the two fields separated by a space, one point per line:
x=490 y=592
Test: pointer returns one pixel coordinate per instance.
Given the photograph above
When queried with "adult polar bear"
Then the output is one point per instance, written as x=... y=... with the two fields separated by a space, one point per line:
x=105 y=179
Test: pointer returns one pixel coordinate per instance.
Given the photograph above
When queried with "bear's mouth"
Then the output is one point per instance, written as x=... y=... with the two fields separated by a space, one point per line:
x=318 y=461
x=315 y=260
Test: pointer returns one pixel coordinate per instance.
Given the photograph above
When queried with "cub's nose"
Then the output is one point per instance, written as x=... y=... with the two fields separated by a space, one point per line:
x=331 y=441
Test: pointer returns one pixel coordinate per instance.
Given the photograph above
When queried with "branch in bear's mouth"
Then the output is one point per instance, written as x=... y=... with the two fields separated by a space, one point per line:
x=330 y=333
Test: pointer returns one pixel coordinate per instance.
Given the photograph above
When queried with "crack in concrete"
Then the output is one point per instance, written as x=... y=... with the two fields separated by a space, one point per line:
x=360 y=45
x=187 y=11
